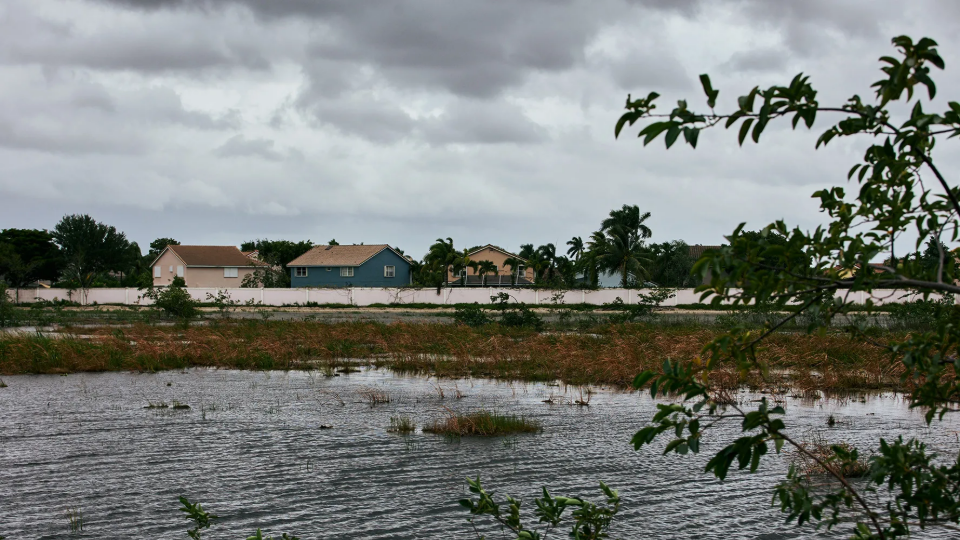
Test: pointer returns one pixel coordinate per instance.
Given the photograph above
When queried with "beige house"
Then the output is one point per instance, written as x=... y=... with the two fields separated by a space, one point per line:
x=203 y=266
x=498 y=256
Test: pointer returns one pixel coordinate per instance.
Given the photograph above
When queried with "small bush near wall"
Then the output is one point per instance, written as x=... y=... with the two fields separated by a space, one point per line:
x=174 y=301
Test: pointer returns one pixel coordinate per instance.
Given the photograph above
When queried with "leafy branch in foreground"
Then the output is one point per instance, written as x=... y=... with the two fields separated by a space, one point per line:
x=590 y=521
x=819 y=272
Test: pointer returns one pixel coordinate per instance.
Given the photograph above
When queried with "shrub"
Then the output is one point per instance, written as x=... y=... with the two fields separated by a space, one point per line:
x=924 y=314
x=8 y=315
x=516 y=315
x=471 y=315
x=174 y=301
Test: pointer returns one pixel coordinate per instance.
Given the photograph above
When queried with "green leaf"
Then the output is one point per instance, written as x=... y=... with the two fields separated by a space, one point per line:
x=744 y=129
x=708 y=90
x=672 y=135
x=642 y=379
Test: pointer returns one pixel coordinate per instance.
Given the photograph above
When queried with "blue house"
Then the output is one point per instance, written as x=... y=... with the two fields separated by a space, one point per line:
x=375 y=265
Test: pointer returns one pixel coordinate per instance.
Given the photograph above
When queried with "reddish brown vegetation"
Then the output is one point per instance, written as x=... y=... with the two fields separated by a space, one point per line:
x=613 y=355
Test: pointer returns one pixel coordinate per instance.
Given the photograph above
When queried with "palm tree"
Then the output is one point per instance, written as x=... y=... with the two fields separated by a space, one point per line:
x=460 y=261
x=440 y=258
x=526 y=251
x=630 y=219
x=539 y=263
x=515 y=265
x=624 y=254
x=484 y=268
x=576 y=247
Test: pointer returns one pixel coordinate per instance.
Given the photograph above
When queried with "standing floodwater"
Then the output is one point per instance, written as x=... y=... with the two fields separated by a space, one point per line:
x=253 y=448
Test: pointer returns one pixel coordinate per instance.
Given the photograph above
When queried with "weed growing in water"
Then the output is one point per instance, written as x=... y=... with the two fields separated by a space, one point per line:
x=831 y=421
x=584 y=402
x=374 y=396
x=76 y=519
x=484 y=424
x=402 y=425
x=818 y=457
x=2 y=384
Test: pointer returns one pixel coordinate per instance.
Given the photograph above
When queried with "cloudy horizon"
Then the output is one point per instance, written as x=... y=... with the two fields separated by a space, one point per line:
x=220 y=121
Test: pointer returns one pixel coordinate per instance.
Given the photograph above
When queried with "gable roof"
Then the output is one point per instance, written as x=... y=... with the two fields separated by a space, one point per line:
x=210 y=256
x=351 y=255
x=697 y=251
x=495 y=248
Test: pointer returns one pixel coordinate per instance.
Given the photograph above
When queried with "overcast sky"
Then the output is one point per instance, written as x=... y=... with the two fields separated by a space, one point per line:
x=219 y=121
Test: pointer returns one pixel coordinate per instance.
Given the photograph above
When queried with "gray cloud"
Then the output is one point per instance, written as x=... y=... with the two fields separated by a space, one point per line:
x=402 y=121
x=238 y=145
x=766 y=59
x=478 y=122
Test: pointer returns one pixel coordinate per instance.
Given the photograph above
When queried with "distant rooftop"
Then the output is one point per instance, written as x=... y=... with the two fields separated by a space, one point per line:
x=350 y=255
x=212 y=256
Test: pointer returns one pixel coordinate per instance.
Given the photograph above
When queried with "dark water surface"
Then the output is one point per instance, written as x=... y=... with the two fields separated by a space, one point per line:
x=250 y=449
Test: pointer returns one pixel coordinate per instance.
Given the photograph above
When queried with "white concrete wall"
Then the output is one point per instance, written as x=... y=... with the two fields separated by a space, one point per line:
x=365 y=296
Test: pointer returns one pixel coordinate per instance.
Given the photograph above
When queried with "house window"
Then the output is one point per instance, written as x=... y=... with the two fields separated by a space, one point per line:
x=171 y=268
x=389 y=271
x=230 y=271
x=157 y=271
x=300 y=271
x=346 y=271
x=179 y=271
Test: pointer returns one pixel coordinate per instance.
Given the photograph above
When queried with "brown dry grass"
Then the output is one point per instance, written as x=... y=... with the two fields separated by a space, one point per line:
x=612 y=355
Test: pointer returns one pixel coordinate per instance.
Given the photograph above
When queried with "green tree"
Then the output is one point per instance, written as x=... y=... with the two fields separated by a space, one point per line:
x=515 y=264
x=576 y=247
x=484 y=268
x=672 y=264
x=438 y=262
x=37 y=249
x=13 y=269
x=900 y=188
x=157 y=247
x=623 y=254
x=333 y=242
x=277 y=253
x=90 y=248
x=629 y=219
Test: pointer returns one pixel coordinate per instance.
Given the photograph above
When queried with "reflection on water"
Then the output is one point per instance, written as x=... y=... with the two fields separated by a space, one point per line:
x=251 y=449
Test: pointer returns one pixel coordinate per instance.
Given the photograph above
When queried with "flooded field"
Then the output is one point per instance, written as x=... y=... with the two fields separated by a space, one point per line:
x=311 y=455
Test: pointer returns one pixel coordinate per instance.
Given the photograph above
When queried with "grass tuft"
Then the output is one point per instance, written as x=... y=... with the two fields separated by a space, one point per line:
x=483 y=424
x=827 y=461
x=374 y=396
x=402 y=425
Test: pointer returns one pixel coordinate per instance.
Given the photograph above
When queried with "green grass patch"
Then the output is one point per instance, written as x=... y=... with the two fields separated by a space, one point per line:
x=483 y=424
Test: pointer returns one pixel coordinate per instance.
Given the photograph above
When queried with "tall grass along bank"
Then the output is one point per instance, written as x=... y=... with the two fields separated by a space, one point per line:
x=611 y=354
